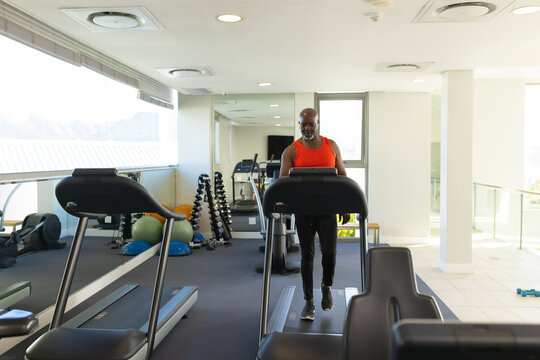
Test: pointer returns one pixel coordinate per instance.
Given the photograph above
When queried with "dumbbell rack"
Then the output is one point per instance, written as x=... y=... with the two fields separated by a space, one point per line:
x=197 y=211
x=221 y=197
x=221 y=233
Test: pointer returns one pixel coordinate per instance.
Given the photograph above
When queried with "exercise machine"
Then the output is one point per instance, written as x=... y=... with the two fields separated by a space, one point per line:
x=14 y=322
x=132 y=321
x=389 y=319
x=242 y=198
x=280 y=263
x=40 y=231
x=11 y=294
x=303 y=193
x=269 y=172
x=427 y=340
x=388 y=290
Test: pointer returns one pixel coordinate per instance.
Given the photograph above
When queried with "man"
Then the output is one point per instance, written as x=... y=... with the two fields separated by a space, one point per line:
x=313 y=150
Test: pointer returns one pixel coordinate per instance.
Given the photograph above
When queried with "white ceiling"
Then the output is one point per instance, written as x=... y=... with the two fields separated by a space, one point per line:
x=307 y=45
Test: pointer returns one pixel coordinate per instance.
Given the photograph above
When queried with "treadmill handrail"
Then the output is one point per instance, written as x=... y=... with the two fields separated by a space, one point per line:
x=315 y=194
x=89 y=192
x=257 y=195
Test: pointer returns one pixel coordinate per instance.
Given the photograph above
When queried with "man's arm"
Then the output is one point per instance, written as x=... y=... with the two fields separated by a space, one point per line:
x=287 y=160
x=339 y=161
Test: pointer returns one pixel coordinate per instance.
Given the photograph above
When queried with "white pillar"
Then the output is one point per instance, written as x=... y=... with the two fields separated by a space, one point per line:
x=456 y=171
x=195 y=149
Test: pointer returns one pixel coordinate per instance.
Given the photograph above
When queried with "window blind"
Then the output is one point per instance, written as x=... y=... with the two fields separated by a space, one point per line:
x=22 y=27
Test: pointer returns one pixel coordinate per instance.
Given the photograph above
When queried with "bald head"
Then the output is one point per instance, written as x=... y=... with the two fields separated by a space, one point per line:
x=309 y=113
x=309 y=124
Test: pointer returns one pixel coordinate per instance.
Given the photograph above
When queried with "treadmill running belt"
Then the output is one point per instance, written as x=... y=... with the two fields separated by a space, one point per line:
x=131 y=311
x=326 y=322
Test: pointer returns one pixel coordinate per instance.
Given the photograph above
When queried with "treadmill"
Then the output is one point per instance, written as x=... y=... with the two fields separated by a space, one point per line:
x=243 y=206
x=14 y=322
x=132 y=321
x=11 y=294
x=300 y=193
x=388 y=284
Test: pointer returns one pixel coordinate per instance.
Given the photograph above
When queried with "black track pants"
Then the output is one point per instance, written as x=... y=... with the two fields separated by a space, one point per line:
x=326 y=227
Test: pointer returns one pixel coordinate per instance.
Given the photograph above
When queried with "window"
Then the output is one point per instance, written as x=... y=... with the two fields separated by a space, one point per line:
x=343 y=119
x=58 y=116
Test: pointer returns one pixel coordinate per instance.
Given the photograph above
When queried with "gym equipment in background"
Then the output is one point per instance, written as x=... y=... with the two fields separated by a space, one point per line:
x=221 y=197
x=387 y=280
x=196 y=214
x=182 y=232
x=147 y=229
x=280 y=263
x=120 y=326
x=243 y=198
x=40 y=231
x=220 y=228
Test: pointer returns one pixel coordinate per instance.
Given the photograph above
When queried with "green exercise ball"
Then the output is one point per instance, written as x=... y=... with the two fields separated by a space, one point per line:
x=182 y=231
x=147 y=229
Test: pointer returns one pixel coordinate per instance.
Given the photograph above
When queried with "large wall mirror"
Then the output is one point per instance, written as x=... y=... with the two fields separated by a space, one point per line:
x=245 y=125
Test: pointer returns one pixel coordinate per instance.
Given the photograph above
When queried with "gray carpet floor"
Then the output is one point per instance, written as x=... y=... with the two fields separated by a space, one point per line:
x=224 y=322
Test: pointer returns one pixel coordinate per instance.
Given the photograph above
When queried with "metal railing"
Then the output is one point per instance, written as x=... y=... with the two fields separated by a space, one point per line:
x=496 y=189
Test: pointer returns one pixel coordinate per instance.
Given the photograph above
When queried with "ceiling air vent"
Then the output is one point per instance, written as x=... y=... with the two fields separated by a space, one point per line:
x=114 y=19
x=186 y=71
x=458 y=11
x=402 y=66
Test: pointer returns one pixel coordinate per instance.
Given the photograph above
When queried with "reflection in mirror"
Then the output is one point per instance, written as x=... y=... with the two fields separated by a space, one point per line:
x=99 y=264
x=245 y=125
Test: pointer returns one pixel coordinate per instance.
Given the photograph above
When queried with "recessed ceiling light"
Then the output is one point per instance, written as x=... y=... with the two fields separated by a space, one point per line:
x=278 y=124
x=277 y=117
x=381 y=3
x=229 y=18
x=418 y=81
x=274 y=105
x=525 y=10
x=264 y=83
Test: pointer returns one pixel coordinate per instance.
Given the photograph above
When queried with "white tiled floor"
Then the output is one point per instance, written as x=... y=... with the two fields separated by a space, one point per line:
x=488 y=294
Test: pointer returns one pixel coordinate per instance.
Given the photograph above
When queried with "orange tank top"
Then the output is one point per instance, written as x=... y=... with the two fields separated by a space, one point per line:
x=321 y=157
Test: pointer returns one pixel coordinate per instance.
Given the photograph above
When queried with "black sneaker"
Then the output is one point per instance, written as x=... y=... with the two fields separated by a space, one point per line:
x=308 y=312
x=327 y=303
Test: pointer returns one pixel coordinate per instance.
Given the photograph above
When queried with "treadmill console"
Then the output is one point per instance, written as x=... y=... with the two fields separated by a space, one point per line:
x=320 y=171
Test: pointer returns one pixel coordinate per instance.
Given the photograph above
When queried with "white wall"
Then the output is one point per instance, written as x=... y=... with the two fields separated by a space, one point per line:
x=399 y=162
x=498 y=150
x=195 y=150
x=249 y=140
